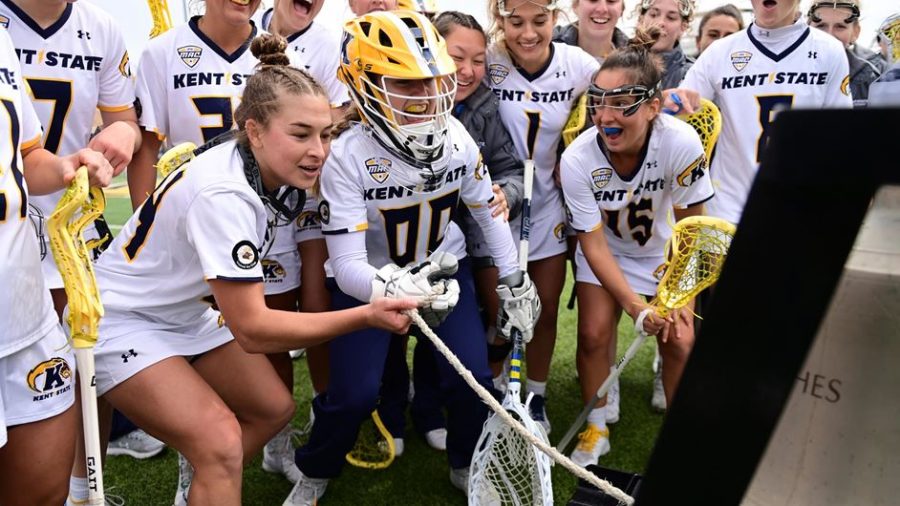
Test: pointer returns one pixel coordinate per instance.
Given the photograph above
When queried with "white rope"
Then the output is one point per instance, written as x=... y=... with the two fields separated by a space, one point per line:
x=489 y=399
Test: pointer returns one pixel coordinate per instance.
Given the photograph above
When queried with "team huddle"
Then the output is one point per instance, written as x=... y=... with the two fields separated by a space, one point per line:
x=341 y=180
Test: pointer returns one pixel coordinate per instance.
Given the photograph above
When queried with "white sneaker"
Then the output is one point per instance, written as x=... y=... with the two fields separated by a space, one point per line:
x=278 y=455
x=612 y=403
x=306 y=492
x=460 y=478
x=399 y=446
x=437 y=439
x=658 y=401
x=592 y=444
x=137 y=444
x=295 y=354
x=185 y=477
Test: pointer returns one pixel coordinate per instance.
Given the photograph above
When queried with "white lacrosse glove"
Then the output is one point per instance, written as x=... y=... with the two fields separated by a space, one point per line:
x=427 y=282
x=520 y=306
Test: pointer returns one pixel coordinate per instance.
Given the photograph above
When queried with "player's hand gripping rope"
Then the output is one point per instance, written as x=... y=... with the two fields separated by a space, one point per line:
x=694 y=257
x=77 y=208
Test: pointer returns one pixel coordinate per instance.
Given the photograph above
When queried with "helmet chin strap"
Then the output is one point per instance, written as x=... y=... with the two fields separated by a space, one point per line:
x=277 y=202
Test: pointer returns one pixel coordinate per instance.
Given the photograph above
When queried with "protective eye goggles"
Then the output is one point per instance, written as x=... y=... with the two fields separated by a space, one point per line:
x=501 y=5
x=853 y=8
x=627 y=99
x=685 y=8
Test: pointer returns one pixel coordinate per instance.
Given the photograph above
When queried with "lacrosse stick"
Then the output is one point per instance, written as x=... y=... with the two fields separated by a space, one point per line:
x=578 y=118
x=374 y=448
x=175 y=157
x=694 y=257
x=707 y=122
x=162 y=19
x=77 y=208
x=505 y=468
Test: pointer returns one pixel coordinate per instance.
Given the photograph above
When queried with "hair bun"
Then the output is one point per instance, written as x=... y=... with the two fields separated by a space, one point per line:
x=270 y=49
x=645 y=38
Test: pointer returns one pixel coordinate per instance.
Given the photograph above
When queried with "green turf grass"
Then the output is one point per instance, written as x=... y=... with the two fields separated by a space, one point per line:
x=420 y=476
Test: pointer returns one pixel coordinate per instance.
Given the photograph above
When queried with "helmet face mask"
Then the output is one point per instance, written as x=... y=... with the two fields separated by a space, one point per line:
x=849 y=6
x=403 y=83
x=627 y=99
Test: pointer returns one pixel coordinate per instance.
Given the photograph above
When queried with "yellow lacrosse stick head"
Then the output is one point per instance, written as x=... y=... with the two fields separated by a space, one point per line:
x=175 y=157
x=78 y=207
x=374 y=448
x=694 y=257
x=162 y=19
x=578 y=118
x=707 y=121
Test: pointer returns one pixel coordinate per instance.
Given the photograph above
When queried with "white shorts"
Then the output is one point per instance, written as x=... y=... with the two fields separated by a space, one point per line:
x=548 y=228
x=281 y=272
x=36 y=382
x=130 y=343
x=637 y=270
x=48 y=264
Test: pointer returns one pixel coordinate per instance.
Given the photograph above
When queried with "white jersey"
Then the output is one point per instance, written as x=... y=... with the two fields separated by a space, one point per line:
x=753 y=74
x=317 y=50
x=202 y=222
x=535 y=107
x=73 y=67
x=188 y=87
x=25 y=306
x=635 y=209
x=358 y=194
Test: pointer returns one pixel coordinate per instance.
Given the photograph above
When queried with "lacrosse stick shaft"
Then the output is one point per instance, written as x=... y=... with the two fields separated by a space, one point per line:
x=84 y=358
x=614 y=374
x=515 y=360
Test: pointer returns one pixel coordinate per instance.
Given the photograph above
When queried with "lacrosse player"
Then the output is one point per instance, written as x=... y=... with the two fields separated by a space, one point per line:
x=315 y=47
x=673 y=17
x=74 y=61
x=537 y=82
x=841 y=19
x=389 y=191
x=201 y=233
x=621 y=179
x=777 y=63
x=38 y=428
x=718 y=23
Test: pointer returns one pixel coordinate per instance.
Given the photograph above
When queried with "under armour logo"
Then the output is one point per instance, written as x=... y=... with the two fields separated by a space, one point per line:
x=812 y=55
x=561 y=74
x=84 y=35
x=652 y=165
x=126 y=356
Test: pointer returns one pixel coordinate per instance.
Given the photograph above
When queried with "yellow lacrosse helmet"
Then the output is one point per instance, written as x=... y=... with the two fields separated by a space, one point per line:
x=423 y=6
x=401 y=78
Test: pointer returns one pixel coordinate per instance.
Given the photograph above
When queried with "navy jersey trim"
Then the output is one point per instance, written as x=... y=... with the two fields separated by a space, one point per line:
x=782 y=55
x=248 y=280
x=531 y=77
x=294 y=36
x=640 y=164
x=703 y=201
x=36 y=28
x=336 y=232
x=230 y=58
